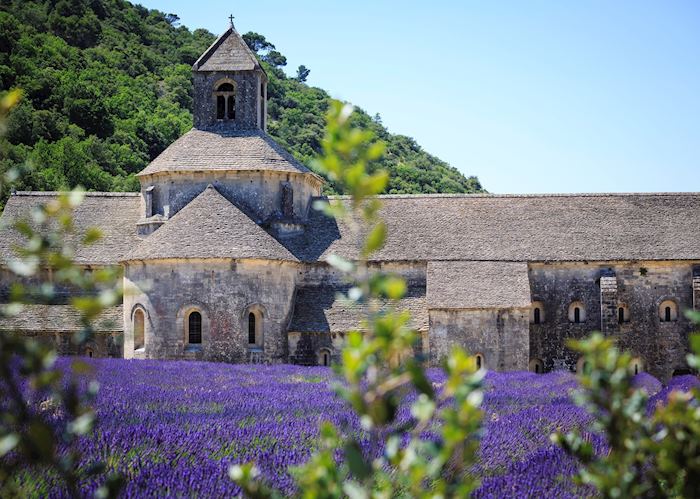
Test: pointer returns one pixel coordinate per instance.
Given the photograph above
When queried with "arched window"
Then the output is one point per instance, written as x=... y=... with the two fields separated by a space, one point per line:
x=225 y=101
x=536 y=366
x=253 y=323
x=668 y=311
x=577 y=312
x=139 y=329
x=251 y=329
x=324 y=357
x=89 y=352
x=194 y=329
x=480 y=364
x=637 y=365
x=536 y=312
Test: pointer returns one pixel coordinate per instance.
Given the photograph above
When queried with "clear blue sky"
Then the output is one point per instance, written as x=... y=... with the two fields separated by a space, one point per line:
x=536 y=96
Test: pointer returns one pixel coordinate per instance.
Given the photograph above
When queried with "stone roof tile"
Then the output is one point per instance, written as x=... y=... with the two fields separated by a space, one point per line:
x=319 y=309
x=61 y=319
x=114 y=213
x=224 y=150
x=228 y=53
x=576 y=227
x=462 y=285
x=210 y=227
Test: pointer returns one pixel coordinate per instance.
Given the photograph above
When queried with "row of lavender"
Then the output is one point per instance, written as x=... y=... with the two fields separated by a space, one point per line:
x=173 y=428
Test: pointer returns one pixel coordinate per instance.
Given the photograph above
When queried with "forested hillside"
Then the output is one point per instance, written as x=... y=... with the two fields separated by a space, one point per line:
x=107 y=87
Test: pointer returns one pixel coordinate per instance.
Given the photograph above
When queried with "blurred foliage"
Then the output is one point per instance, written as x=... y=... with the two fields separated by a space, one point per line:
x=654 y=452
x=430 y=454
x=44 y=410
x=108 y=87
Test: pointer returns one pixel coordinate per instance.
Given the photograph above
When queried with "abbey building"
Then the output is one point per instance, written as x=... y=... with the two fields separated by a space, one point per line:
x=224 y=257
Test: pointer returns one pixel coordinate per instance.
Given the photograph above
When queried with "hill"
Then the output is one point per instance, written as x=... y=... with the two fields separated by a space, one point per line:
x=107 y=87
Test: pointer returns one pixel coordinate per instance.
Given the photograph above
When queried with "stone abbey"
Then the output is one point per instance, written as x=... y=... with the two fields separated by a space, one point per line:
x=224 y=257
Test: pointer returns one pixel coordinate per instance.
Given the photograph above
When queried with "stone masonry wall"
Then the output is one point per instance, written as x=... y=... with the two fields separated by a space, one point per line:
x=247 y=84
x=223 y=292
x=640 y=287
x=499 y=335
x=259 y=194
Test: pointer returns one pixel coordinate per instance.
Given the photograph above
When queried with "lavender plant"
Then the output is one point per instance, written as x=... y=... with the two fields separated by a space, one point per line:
x=653 y=450
x=379 y=368
x=43 y=409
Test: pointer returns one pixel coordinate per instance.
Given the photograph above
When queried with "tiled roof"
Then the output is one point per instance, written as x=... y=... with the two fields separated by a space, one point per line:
x=576 y=227
x=319 y=309
x=115 y=214
x=60 y=319
x=228 y=53
x=210 y=227
x=460 y=285
x=224 y=150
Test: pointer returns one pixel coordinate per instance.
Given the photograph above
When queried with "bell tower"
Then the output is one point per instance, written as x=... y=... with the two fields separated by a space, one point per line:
x=230 y=86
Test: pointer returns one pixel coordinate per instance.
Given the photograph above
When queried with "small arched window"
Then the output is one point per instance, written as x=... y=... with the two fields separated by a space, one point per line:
x=251 y=329
x=577 y=312
x=194 y=329
x=225 y=101
x=637 y=365
x=89 y=352
x=668 y=311
x=324 y=357
x=479 y=359
x=536 y=313
x=253 y=321
x=536 y=366
x=139 y=329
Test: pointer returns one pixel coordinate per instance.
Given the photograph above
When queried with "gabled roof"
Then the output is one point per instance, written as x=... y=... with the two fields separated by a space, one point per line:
x=61 y=319
x=463 y=285
x=228 y=53
x=201 y=150
x=521 y=228
x=210 y=227
x=318 y=309
x=114 y=213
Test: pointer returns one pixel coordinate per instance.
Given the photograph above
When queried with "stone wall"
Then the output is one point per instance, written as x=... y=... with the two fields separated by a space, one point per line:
x=499 y=335
x=259 y=194
x=638 y=287
x=223 y=292
x=248 y=99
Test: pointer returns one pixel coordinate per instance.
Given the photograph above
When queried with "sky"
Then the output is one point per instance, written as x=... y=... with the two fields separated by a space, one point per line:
x=531 y=97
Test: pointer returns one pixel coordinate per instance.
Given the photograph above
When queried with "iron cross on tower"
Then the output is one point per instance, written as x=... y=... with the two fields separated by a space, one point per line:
x=230 y=20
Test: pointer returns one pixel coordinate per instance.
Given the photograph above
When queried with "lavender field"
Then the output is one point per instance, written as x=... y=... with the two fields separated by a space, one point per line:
x=173 y=428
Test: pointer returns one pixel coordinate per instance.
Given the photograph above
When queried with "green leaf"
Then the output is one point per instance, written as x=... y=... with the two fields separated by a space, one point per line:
x=8 y=442
x=340 y=263
x=375 y=239
x=356 y=462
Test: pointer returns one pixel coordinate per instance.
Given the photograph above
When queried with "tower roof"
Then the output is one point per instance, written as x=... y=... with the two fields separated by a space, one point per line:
x=228 y=53
x=210 y=227
x=203 y=150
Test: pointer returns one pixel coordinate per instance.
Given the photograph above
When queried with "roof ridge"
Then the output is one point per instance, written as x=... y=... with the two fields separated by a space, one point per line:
x=541 y=195
x=88 y=194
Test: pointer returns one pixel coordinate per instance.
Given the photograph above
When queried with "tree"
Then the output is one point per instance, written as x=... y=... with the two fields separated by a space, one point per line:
x=302 y=73
x=257 y=42
x=275 y=58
